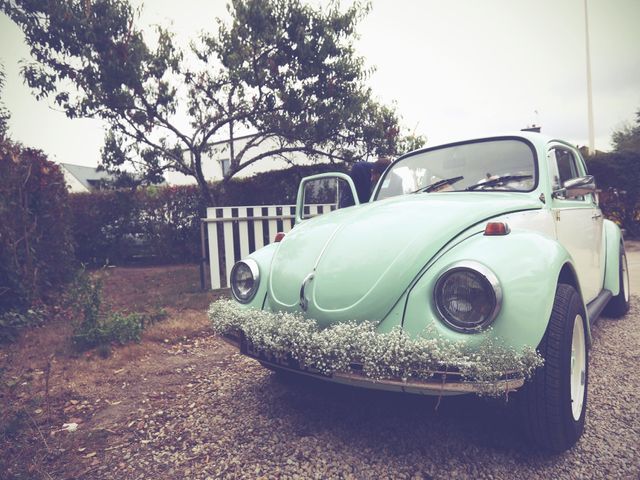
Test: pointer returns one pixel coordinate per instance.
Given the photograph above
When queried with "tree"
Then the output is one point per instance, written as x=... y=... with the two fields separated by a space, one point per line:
x=618 y=176
x=4 y=113
x=281 y=69
x=628 y=137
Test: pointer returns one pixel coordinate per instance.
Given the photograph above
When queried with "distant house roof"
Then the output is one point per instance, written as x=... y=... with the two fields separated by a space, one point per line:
x=89 y=177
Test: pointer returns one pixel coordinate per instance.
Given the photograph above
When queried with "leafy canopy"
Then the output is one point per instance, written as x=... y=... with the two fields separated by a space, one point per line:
x=4 y=113
x=628 y=137
x=281 y=70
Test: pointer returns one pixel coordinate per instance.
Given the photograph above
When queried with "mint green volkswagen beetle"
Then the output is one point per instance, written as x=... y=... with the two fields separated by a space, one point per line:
x=477 y=267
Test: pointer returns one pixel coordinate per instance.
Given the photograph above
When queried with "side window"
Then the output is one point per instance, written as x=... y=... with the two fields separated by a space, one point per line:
x=567 y=167
x=563 y=166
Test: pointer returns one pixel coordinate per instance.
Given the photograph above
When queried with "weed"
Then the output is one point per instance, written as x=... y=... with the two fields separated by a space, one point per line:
x=13 y=321
x=100 y=326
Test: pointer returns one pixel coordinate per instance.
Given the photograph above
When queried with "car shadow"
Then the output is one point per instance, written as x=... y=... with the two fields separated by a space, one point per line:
x=401 y=423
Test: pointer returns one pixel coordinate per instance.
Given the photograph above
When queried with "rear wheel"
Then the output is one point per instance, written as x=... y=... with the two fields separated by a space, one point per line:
x=554 y=403
x=618 y=306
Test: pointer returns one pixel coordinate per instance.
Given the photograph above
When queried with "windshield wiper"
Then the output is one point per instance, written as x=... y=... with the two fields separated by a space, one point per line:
x=433 y=186
x=498 y=181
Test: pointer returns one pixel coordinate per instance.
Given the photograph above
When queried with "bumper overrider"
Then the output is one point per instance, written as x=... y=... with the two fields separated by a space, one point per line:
x=354 y=353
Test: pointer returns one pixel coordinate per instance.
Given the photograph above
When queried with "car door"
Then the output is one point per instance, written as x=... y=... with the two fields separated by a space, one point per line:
x=578 y=220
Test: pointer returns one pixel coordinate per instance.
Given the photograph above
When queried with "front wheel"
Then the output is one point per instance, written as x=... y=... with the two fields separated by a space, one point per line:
x=554 y=403
x=618 y=306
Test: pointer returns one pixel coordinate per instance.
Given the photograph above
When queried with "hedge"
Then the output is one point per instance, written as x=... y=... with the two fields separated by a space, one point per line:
x=36 y=246
x=618 y=177
x=162 y=224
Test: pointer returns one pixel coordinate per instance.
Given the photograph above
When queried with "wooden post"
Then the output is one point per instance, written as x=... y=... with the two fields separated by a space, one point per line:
x=203 y=257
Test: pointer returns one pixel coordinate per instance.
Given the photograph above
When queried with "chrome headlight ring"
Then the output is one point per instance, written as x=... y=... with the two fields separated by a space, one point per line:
x=468 y=296
x=245 y=279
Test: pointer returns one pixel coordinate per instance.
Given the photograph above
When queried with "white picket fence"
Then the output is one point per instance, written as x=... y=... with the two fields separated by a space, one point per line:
x=235 y=232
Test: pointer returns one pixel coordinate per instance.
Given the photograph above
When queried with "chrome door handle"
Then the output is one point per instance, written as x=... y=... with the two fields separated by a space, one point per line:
x=596 y=216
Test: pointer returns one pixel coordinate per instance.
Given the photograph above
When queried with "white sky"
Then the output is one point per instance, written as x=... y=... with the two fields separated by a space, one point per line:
x=455 y=68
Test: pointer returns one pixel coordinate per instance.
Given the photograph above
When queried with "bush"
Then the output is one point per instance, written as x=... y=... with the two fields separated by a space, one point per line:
x=618 y=177
x=98 y=327
x=12 y=321
x=116 y=226
x=278 y=187
x=36 y=246
x=163 y=223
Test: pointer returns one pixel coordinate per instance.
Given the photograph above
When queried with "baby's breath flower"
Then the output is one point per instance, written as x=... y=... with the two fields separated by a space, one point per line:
x=382 y=355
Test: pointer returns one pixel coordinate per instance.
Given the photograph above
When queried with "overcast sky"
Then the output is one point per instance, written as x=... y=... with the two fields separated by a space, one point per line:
x=455 y=68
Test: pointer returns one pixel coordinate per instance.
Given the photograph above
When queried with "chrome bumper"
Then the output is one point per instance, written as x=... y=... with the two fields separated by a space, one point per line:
x=442 y=383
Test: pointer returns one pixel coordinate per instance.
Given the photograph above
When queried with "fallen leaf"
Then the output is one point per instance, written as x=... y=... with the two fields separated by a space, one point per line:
x=70 y=427
x=90 y=455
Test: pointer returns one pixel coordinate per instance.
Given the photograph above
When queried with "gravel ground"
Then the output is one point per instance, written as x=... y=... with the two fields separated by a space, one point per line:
x=222 y=415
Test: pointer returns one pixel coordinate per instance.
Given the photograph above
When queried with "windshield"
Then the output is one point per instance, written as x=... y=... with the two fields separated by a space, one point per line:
x=488 y=165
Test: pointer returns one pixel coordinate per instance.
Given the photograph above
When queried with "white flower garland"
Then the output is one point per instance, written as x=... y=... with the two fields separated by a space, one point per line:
x=382 y=355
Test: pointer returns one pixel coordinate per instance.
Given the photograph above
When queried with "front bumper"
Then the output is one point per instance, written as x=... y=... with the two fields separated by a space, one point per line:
x=442 y=382
x=356 y=354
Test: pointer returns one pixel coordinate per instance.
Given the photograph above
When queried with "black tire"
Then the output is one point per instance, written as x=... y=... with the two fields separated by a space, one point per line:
x=545 y=401
x=618 y=306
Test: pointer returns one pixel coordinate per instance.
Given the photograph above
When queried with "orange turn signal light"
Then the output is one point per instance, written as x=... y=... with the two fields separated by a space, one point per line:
x=279 y=236
x=496 y=228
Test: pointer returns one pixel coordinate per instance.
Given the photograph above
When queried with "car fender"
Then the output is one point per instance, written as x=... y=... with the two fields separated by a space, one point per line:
x=528 y=266
x=263 y=258
x=612 y=241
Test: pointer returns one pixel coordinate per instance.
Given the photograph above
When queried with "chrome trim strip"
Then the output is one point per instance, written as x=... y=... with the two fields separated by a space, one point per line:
x=304 y=303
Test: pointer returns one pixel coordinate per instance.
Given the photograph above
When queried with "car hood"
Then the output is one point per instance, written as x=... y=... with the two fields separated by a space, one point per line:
x=358 y=261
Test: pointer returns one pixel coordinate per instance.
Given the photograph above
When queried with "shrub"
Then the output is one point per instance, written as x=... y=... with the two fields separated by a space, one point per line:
x=98 y=327
x=36 y=246
x=117 y=226
x=12 y=321
x=163 y=223
x=618 y=176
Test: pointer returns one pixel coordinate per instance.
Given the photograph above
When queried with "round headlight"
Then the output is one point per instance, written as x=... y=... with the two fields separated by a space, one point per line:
x=468 y=296
x=245 y=277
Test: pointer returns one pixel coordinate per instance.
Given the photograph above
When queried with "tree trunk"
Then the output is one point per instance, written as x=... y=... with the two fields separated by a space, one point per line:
x=202 y=182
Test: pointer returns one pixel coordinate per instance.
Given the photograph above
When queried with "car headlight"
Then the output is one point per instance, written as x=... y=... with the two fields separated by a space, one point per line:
x=245 y=278
x=468 y=296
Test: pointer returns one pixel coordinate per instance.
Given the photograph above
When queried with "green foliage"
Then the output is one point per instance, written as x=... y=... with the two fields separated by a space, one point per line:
x=280 y=68
x=163 y=223
x=12 y=321
x=36 y=246
x=627 y=139
x=618 y=176
x=97 y=327
x=382 y=355
x=112 y=328
x=4 y=113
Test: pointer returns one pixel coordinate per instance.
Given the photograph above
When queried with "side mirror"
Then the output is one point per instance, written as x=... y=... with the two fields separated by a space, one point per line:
x=577 y=187
x=324 y=192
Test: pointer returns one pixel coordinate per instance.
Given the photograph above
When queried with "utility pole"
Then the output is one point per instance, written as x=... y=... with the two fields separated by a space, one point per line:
x=592 y=148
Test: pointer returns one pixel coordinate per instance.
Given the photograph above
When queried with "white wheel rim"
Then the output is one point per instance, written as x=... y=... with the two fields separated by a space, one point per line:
x=578 y=368
x=625 y=277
